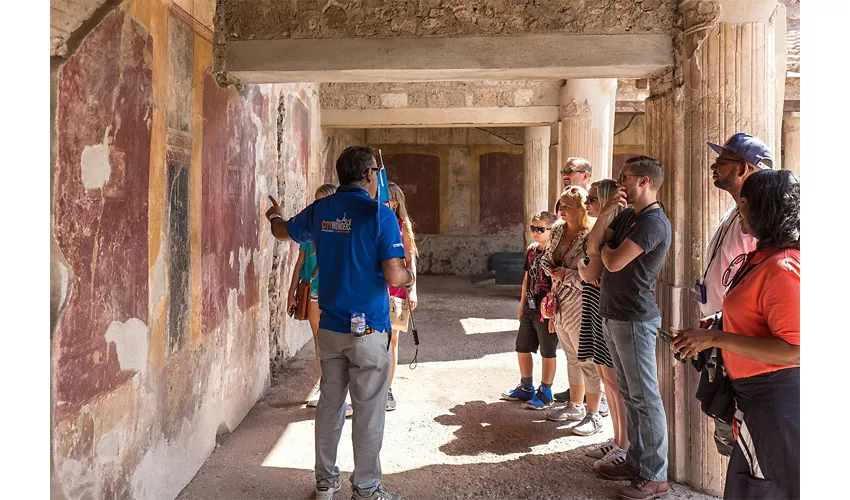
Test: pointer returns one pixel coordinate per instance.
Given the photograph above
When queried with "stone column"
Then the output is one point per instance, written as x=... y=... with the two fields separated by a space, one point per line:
x=536 y=174
x=587 y=123
x=724 y=82
x=791 y=142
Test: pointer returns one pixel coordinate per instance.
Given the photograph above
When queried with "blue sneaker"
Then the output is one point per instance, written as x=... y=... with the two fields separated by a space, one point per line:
x=542 y=400
x=519 y=393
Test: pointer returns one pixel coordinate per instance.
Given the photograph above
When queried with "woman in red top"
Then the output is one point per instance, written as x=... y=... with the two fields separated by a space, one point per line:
x=760 y=342
x=405 y=225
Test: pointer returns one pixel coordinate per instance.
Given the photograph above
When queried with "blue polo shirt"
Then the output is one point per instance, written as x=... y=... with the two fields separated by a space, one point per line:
x=353 y=235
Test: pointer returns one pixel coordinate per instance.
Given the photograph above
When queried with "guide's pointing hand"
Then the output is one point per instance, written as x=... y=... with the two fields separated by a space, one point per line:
x=274 y=210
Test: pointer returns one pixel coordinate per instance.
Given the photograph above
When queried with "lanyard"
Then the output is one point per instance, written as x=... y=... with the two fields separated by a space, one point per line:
x=719 y=243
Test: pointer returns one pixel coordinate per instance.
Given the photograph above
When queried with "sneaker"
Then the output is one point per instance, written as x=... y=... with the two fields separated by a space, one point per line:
x=615 y=455
x=314 y=400
x=325 y=488
x=391 y=403
x=569 y=412
x=619 y=472
x=520 y=393
x=563 y=397
x=379 y=494
x=599 y=450
x=643 y=489
x=542 y=399
x=349 y=411
x=590 y=424
x=603 y=407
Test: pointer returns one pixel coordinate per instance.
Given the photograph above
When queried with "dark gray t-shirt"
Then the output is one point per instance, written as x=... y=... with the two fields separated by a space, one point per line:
x=628 y=295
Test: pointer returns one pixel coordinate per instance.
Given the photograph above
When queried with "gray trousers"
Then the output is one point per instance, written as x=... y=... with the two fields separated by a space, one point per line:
x=360 y=365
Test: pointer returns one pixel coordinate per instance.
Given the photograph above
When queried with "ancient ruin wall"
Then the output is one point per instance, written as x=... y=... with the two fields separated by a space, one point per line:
x=464 y=192
x=453 y=94
x=166 y=281
x=272 y=19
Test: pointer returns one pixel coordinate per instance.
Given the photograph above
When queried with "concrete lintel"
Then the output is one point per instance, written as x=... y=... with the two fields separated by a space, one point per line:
x=539 y=56
x=440 y=117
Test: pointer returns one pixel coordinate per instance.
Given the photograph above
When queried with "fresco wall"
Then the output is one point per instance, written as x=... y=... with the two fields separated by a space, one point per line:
x=164 y=322
x=464 y=189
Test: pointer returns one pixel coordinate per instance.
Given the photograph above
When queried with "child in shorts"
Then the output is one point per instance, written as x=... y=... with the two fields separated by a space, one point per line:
x=533 y=333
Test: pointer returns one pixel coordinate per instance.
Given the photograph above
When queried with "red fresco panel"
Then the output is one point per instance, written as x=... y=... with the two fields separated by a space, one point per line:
x=501 y=186
x=103 y=100
x=419 y=177
x=230 y=211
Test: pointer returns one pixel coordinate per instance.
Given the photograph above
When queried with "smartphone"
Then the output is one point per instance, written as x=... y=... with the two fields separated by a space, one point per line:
x=665 y=336
x=668 y=337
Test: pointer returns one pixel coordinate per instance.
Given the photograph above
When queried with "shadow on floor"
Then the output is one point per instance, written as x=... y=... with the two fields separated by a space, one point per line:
x=500 y=428
x=552 y=476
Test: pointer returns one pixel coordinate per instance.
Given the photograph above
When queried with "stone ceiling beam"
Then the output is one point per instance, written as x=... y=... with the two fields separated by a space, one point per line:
x=533 y=56
x=440 y=117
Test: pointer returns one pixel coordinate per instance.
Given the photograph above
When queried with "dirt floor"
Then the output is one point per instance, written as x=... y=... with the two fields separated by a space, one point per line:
x=451 y=436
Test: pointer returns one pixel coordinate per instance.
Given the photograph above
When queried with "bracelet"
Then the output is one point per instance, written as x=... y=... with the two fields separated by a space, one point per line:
x=275 y=216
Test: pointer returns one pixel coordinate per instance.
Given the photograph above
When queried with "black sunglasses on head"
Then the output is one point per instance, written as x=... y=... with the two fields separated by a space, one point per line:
x=535 y=229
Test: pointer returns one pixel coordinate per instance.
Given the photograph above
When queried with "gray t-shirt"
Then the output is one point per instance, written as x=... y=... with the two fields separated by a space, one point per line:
x=628 y=295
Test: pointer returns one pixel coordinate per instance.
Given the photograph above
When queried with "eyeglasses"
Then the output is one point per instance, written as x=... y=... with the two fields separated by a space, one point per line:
x=623 y=176
x=541 y=230
x=572 y=171
x=727 y=275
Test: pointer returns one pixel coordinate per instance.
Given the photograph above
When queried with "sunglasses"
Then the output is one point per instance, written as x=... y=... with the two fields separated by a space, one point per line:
x=622 y=177
x=541 y=230
x=591 y=199
x=572 y=171
x=720 y=160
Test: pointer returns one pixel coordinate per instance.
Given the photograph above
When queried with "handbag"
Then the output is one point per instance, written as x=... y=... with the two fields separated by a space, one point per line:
x=302 y=298
x=399 y=313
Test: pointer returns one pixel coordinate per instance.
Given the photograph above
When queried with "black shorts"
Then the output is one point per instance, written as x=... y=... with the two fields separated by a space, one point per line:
x=534 y=333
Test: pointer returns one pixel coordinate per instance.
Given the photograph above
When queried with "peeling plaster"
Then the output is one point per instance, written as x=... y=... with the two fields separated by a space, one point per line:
x=107 y=447
x=96 y=169
x=131 y=343
x=78 y=479
x=244 y=260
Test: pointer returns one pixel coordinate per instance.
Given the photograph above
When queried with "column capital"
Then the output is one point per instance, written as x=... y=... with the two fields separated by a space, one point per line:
x=697 y=12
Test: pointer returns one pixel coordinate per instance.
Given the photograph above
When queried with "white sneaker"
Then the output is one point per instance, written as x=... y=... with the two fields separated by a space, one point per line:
x=314 y=401
x=615 y=455
x=590 y=424
x=599 y=450
x=349 y=411
x=569 y=412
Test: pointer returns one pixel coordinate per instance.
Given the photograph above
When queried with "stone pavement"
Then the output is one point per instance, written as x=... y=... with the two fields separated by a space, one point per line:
x=451 y=436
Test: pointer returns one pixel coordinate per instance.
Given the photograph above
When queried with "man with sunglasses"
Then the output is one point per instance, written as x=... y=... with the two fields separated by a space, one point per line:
x=576 y=172
x=737 y=159
x=632 y=249
x=359 y=251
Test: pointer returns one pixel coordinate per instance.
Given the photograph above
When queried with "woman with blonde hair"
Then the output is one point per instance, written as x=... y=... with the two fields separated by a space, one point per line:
x=399 y=205
x=307 y=270
x=592 y=343
x=564 y=250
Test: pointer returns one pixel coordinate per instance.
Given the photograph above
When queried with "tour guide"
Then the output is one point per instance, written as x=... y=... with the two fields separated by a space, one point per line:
x=359 y=251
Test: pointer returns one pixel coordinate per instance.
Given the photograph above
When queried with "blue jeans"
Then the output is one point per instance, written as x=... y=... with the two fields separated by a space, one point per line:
x=632 y=346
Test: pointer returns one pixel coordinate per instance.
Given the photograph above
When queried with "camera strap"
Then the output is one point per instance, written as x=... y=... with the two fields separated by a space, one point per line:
x=413 y=332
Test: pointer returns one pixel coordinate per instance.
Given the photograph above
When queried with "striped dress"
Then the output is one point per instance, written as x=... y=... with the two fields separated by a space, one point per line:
x=591 y=344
